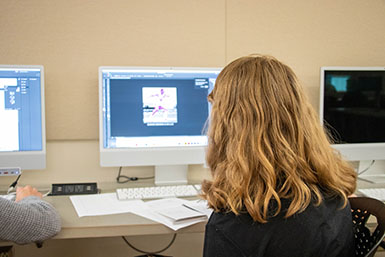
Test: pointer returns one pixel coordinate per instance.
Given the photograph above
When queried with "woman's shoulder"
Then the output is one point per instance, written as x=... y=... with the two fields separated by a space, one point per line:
x=330 y=205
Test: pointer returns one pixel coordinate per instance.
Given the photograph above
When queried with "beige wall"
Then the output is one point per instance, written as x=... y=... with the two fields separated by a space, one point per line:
x=72 y=38
x=308 y=34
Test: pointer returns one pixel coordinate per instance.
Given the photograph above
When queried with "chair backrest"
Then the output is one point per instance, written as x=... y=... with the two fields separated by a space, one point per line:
x=367 y=240
x=6 y=251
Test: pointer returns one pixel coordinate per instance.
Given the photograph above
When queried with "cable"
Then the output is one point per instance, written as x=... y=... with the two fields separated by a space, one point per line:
x=124 y=179
x=13 y=185
x=145 y=252
x=366 y=169
x=46 y=194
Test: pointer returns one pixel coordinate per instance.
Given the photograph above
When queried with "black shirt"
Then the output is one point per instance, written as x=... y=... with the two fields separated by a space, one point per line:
x=319 y=231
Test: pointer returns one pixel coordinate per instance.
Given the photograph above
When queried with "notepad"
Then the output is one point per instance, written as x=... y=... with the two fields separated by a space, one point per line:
x=171 y=212
x=181 y=213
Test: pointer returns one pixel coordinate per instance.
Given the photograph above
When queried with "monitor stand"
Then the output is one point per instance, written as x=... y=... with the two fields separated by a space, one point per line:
x=375 y=172
x=171 y=174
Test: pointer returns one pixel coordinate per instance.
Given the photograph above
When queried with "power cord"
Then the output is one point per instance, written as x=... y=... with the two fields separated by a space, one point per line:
x=150 y=253
x=124 y=179
x=47 y=194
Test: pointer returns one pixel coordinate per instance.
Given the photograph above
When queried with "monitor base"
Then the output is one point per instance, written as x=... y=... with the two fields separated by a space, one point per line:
x=171 y=174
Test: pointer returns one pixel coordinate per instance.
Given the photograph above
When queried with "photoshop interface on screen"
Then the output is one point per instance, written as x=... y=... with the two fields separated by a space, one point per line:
x=20 y=110
x=152 y=109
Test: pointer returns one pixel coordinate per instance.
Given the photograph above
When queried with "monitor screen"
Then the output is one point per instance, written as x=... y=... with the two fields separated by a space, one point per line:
x=353 y=108
x=22 y=132
x=153 y=116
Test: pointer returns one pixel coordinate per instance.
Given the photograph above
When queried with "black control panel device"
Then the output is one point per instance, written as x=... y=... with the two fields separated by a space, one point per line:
x=74 y=189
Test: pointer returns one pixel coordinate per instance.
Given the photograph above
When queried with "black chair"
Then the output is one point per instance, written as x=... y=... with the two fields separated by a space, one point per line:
x=367 y=239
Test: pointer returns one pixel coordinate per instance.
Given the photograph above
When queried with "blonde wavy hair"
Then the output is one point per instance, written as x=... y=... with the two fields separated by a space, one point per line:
x=266 y=143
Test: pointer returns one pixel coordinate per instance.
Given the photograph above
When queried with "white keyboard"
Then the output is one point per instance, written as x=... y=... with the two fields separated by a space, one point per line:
x=157 y=192
x=376 y=193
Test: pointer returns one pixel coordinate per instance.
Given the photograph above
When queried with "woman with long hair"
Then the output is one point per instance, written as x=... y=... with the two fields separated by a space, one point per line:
x=277 y=187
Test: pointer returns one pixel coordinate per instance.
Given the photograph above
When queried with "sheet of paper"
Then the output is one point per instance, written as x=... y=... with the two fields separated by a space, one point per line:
x=376 y=193
x=102 y=204
x=105 y=204
x=150 y=211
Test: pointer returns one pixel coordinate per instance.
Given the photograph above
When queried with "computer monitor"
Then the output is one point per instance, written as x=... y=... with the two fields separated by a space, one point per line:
x=352 y=108
x=154 y=116
x=22 y=119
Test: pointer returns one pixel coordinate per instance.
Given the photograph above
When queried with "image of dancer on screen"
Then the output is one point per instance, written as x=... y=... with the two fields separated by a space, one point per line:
x=159 y=106
x=160 y=99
